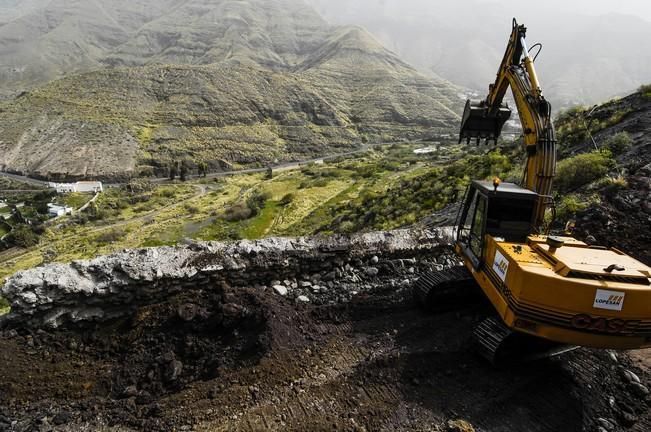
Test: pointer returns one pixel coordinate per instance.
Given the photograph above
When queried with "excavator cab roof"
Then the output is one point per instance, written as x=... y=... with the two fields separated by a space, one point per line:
x=504 y=189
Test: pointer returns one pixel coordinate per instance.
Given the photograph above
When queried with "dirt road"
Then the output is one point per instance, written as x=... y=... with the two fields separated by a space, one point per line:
x=249 y=360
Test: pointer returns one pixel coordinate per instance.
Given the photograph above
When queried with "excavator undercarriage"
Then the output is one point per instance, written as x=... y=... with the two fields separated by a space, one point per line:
x=454 y=289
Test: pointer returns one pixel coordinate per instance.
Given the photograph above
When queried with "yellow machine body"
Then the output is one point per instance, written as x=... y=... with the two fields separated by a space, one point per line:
x=564 y=295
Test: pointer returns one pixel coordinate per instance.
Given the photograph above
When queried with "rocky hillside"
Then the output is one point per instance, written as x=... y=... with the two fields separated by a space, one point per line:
x=44 y=39
x=253 y=82
x=615 y=206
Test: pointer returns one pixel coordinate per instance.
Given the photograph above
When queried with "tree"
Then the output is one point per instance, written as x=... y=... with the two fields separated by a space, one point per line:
x=183 y=171
x=256 y=202
x=202 y=167
x=270 y=173
x=173 y=170
x=22 y=236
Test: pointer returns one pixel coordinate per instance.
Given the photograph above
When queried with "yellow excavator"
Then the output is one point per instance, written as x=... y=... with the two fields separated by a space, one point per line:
x=550 y=294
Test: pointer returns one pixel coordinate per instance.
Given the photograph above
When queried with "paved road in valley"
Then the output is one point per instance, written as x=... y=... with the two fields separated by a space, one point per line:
x=277 y=167
x=24 y=179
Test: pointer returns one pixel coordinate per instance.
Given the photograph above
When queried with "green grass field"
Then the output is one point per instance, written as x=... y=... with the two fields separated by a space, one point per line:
x=75 y=200
x=392 y=183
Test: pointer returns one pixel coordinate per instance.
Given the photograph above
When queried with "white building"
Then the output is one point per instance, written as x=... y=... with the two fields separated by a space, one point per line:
x=82 y=186
x=57 y=210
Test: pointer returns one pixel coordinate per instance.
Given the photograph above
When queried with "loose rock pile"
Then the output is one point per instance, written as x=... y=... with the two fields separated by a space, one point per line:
x=315 y=270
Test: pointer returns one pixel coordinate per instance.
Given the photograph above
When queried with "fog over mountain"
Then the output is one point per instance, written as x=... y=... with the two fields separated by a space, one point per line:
x=592 y=50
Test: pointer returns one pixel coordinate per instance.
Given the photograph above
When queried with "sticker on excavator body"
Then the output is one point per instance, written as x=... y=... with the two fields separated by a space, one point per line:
x=610 y=300
x=500 y=265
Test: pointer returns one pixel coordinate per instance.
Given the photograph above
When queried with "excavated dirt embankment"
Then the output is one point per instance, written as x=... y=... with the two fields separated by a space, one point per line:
x=282 y=334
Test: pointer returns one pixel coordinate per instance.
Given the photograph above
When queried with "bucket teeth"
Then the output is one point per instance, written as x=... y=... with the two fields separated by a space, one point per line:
x=481 y=123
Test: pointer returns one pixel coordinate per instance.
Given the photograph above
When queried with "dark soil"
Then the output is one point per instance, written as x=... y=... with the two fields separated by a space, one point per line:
x=251 y=360
x=623 y=218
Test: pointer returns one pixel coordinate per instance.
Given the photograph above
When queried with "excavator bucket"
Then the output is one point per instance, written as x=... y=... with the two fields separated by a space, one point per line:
x=478 y=123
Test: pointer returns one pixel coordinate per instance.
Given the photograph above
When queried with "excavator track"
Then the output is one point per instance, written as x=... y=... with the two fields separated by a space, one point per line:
x=446 y=290
x=455 y=288
x=501 y=346
x=490 y=335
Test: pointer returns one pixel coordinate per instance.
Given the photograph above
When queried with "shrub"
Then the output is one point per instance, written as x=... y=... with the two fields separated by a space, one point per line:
x=80 y=218
x=139 y=186
x=611 y=185
x=238 y=212
x=136 y=199
x=5 y=307
x=38 y=229
x=390 y=165
x=569 y=206
x=111 y=236
x=232 y=234
x=166 y=193
x=365 y=172
x=571 y=127
x=582 y=169
x=22 y=236
x=619 y=143
x=645 y=90
x=287 y=199
x=191 y=209
x=257 y=201
x=95 y=212
x=346 y=227
x=322 y=182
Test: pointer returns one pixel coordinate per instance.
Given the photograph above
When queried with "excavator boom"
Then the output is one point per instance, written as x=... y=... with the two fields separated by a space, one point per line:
x=484 y=120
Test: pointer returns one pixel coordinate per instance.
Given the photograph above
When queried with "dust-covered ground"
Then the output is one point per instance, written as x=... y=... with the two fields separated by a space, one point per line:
x=246 y=359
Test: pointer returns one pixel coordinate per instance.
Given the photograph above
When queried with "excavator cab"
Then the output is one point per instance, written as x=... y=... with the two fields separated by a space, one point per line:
x=505 y=211
x=478 y=122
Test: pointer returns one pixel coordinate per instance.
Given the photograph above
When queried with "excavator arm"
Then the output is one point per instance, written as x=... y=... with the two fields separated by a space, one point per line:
x=485 y=119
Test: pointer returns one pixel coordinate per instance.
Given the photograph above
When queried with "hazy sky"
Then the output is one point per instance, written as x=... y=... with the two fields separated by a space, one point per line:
x=641 y=8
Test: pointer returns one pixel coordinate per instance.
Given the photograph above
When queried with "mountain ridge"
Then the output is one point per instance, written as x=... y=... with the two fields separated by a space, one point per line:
x=586 y=58
x=268 y=99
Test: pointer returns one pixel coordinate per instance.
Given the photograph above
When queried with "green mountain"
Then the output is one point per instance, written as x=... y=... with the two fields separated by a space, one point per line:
x=217 y=82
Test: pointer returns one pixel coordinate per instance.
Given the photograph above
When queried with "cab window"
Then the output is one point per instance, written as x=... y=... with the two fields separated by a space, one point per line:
x=477 y=231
